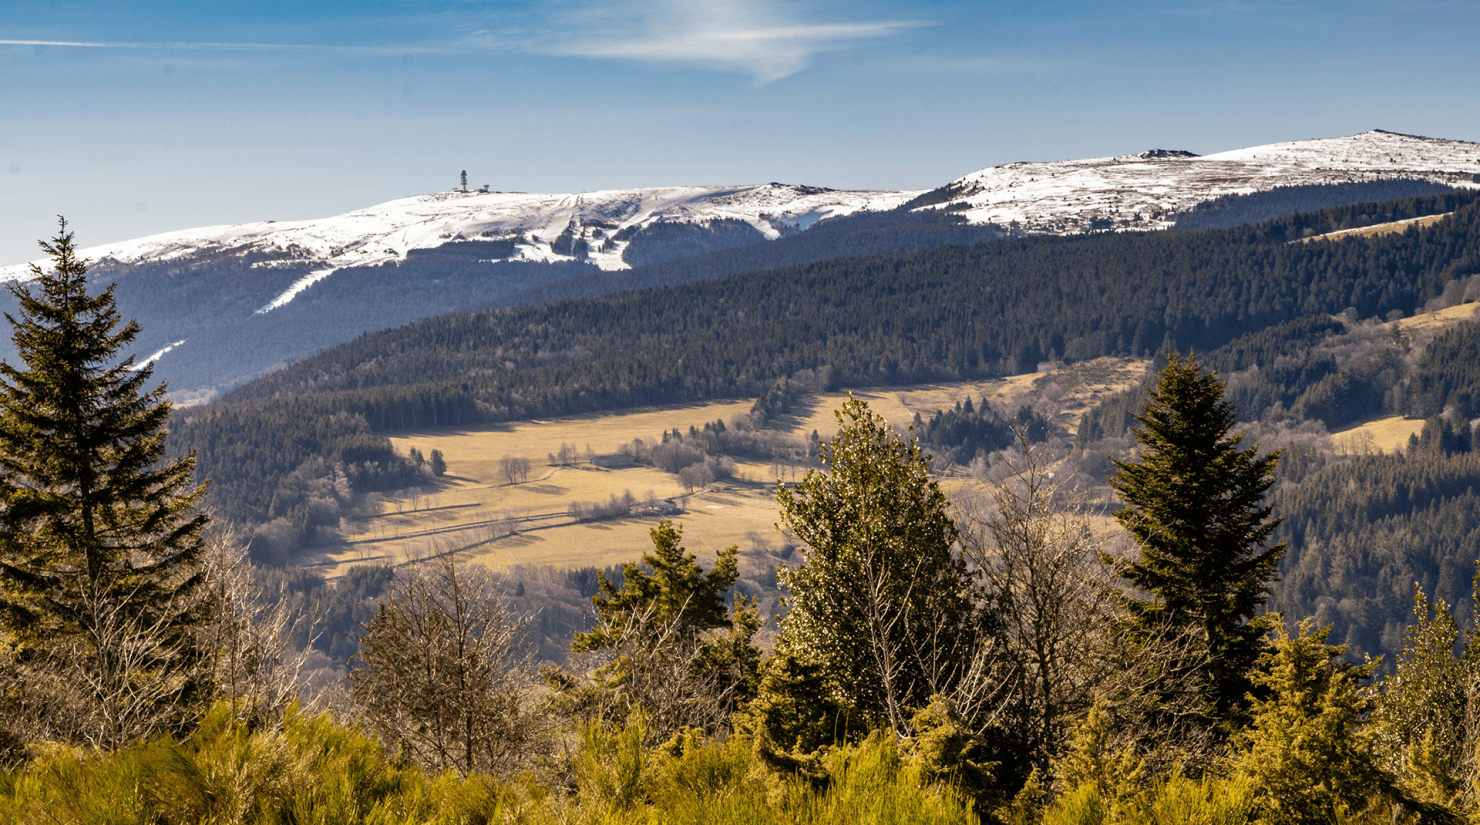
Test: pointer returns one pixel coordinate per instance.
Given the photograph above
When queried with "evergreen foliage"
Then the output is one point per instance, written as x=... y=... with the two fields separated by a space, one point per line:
x=677 y=597
x=99 y=538
x=1258 y=207
x=1195 y=507
x=1363 y=529
x=675 y=652
x=1303 y=751
x=959 y=435
x=880 y=598
x=1448 y=375
x=1424 y=717
x=795 y=712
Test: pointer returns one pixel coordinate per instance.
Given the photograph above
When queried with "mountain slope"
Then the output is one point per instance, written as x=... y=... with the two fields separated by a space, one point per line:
x=520 y=226
x=221 y=305
x=950 y=313
x=1150 y=189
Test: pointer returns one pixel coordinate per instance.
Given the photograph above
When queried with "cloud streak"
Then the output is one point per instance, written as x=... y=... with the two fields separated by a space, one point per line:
x=754 y=37
x=224 y=47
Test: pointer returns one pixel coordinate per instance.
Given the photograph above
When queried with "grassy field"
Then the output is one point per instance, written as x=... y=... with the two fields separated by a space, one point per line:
x=1434 y=321
x=1383 y=435
x=1380 y=229
x=472 y=508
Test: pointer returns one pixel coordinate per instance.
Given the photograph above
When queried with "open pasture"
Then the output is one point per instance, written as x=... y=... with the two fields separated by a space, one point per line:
x=1436 y=321
x=1069 y=392
x=474 y=510
x=1385 y=435
x=1380 y=228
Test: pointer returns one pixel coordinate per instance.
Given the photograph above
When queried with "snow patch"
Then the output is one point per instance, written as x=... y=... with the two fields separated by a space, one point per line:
x=298 y=286
x=1148 y=190
x=156 y=356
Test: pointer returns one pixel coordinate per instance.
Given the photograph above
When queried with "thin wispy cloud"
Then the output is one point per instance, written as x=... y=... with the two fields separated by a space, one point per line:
x=754 y=37
x=224 y=47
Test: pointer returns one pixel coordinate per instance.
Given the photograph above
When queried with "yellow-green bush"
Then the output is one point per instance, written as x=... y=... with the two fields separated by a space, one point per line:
x=313 y=771
x=1176 y=800
x=310 y=771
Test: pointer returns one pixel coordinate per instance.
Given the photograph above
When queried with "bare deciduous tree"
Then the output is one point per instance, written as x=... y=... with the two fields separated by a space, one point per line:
x=119 y=681
x=514 y=469
x=249 y=636
x=1064 y=633
x=440 y=672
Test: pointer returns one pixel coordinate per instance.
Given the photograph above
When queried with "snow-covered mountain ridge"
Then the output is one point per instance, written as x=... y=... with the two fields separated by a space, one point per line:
x=221 y=305
x=1148 y=190
x=1130 y=192
x=594 y=226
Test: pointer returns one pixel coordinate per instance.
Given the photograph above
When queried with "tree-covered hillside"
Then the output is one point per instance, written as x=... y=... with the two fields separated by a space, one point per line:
x=1363 y=528
x=948 y=313
x=957 y=311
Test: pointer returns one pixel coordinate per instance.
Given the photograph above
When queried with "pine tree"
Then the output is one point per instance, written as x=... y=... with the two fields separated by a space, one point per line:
x=678 y=652
x=881 y=598
x=1195 y=506
x=98 y=536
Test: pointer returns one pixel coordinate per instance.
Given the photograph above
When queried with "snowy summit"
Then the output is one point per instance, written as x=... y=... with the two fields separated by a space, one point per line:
x=1148 y=190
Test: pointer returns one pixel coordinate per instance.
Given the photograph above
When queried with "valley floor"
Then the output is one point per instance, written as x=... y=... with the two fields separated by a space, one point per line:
x=475 y=511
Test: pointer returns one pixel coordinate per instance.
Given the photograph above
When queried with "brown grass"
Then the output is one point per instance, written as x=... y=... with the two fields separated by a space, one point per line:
x=1384 y=435
x=742 y=511
x=1442 y=318
x=1379 y=229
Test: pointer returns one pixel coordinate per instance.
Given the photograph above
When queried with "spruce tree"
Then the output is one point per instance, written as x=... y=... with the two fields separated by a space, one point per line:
x=1195 y=506
x=98 y=535
x=676 y=598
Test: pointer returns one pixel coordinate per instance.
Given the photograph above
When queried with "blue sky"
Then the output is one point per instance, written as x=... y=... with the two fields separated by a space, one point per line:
x=134 y=118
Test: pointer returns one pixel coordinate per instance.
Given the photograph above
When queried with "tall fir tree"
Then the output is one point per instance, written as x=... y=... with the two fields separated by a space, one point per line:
x=1195 y=506
x=98 y=537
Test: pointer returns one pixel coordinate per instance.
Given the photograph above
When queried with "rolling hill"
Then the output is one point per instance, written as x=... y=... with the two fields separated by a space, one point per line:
x=223 y=305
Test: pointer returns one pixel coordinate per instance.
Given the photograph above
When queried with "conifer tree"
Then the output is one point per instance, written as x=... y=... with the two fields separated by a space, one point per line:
x=678 y=652
x=1303 y=752
x=1426 y=720
x=676 y=598
x=98 y=536
x=881 y=599
x=1195 y=506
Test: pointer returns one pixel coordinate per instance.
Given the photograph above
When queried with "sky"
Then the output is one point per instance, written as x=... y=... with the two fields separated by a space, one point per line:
x=132 y=118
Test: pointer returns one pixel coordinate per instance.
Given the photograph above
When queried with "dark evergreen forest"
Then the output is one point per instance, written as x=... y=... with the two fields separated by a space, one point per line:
x=947 y=313
x=1258 y=207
